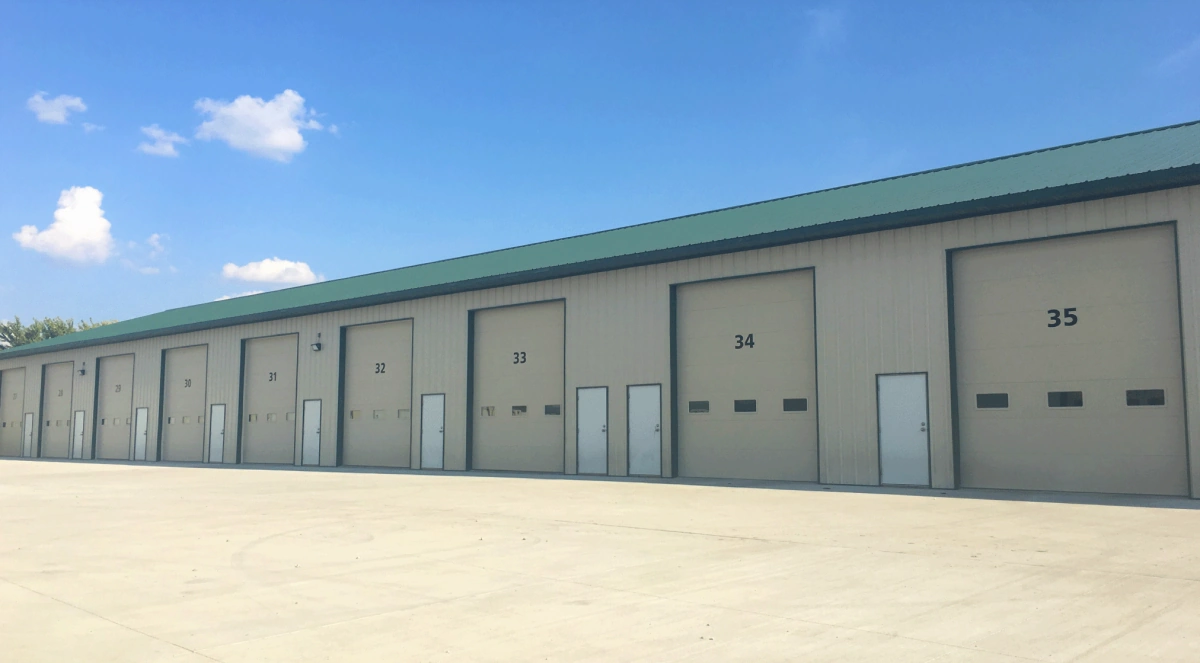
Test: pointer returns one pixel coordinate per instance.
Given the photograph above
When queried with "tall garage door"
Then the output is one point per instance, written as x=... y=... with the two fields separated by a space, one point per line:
x=1068 y=364
x=56 y=410
x=747 y=378
x=377 y=412
x=269 y=400
x=12 y=407
x=184 y=392
x=114 y=407
x=518 y=388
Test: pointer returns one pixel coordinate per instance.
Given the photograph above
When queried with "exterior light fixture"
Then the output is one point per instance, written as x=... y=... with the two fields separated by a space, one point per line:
x=316 y=347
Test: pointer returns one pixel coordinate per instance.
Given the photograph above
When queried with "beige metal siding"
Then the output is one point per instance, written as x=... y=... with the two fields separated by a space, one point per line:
x=518 y=374
x=1095 y=314
x=56 y=410
x=184 y=383
x=377 y=411
x=12 y=411
x=114 y=408
x=747 y=339
x=880 y=304
x=269 y=420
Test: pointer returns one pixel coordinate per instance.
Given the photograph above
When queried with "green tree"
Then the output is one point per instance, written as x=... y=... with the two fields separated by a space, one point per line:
x=14 y=333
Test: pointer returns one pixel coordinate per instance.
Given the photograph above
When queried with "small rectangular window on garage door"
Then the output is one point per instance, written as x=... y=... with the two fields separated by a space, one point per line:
x=748 y=405
x=697 y=407
x=795 y=405
x=991 y=401
x=1145 y=397
x=1064 y=399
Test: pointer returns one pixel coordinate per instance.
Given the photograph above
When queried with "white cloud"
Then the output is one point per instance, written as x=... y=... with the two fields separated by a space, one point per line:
x=268 y=129
x=272 y=270
x=240 y=294
x=80 y=233
x=164 y=141
x=88 y=127
x=333 y=129
x=56 y=110
x=147 y=257
x=155 y=242
x=1180 y=59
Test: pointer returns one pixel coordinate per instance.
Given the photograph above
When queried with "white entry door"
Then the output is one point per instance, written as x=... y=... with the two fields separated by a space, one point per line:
x=77 y=434
x=903 y=430
x=141 y=424
x=216 y=433
x=310 y=452
x=645 y=430
x=591 y=437
x=27 y=443
x=433 y=431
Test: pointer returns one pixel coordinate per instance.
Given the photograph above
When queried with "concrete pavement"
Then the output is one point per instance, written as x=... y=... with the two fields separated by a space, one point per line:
x=122 y=562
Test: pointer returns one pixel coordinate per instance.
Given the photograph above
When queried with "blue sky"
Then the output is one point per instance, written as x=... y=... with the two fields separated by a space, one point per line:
x=416 y=131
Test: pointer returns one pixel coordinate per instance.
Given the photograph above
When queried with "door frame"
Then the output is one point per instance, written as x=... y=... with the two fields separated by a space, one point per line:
x=241 y=390
x=607 y=445
x=145 y=444
x=470 y=423
x=955 y=433
x=303 y=426
x=95 y=427
x=162 y=401
x=37 y=442
x=674 y=359
x=224 y=429
x=80 y=432
x=879 y=433
x=421 y=437
x=340 y=429
x=29 y=423
x=629 y=431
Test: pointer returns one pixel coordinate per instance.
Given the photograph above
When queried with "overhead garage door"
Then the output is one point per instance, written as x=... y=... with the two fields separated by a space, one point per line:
x=269 y=400
x=518 y=388
x=12 y=407
x=57 y=380
x=377 y=378
x=184 y=392
x=114 y=407
x=747 y=378
x=1068 y=364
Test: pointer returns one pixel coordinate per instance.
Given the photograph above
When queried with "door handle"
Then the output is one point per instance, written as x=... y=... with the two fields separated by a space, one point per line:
x=922 y=426
x=604 y=428
x=441 y=430
x=657 y=428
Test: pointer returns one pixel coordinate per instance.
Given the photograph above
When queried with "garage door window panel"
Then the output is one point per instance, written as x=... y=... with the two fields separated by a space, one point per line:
x=1064 y=399
x=1146 y=397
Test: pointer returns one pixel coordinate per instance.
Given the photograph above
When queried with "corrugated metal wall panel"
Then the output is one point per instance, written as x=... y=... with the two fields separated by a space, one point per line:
x=881 y=307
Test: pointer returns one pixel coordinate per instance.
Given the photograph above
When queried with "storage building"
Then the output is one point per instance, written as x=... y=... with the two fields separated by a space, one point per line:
x=1028 y=322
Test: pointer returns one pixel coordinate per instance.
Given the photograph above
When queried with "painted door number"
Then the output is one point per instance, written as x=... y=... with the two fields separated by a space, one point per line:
x=740 y=341
x=1063 y=318
x=187 y=383
x=272 y=376
x=381 y=367
x=518 y=357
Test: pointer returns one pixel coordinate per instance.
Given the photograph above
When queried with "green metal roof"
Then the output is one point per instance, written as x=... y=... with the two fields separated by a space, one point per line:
x=1121 y=165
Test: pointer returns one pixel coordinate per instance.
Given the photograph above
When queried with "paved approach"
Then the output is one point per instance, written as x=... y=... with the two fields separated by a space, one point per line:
x=125 y=563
